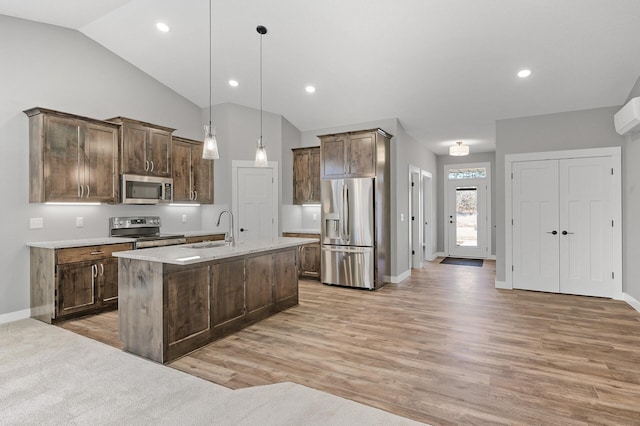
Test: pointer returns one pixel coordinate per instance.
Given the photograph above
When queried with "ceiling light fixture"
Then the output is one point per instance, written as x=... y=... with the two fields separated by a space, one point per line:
x=210 y=148
x=233 y=83
x=459 y=149
x=524 y=73
x=261 y=151
x=310 y=89
x=161 y=26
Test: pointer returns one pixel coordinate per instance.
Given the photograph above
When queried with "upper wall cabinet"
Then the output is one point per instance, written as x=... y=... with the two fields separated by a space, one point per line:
x=192 y=175
x=306 y=175
x=351 y=154
x=71 y=158
x=145 y=148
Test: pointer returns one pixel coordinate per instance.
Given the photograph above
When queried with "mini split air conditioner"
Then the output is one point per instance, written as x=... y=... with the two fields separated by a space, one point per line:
x=627 y=120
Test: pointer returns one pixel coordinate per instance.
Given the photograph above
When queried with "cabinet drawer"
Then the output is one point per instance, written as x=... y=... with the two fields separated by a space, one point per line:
x=79 y=254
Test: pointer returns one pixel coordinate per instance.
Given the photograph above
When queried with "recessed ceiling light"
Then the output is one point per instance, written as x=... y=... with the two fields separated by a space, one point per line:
x=233 y=83
x=524 y=73
x=310 y=89
x=161 y=26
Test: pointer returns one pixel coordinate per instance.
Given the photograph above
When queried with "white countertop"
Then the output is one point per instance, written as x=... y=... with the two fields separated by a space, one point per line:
x=80 y=243
x=303 y=231
x=186 y=254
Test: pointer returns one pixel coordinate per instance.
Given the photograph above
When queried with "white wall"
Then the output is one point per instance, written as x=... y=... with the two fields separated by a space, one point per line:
x=404 y=151
x=61 y=69
x=592 y=128
x=480 y=157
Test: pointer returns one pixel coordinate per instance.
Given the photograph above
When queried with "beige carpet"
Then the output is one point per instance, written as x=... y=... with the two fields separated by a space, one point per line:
x=50 y=376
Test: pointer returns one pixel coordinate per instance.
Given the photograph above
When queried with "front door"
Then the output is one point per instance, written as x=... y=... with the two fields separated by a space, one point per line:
x=467 y=216
x=256 y=220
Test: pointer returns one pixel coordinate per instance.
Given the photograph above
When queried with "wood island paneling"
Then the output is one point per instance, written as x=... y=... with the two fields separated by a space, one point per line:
x=168 y=310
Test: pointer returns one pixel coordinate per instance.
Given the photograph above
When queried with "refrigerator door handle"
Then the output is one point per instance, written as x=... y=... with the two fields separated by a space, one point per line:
x=343 y=218
x=348 y=215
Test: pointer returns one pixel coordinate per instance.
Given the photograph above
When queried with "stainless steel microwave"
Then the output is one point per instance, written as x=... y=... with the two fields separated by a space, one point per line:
x=137 y=189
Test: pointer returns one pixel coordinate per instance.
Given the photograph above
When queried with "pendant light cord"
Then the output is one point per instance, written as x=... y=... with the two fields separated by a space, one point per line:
x=210 y=84
x=261 y=141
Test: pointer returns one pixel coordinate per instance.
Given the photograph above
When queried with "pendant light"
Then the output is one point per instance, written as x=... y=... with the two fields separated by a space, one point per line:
x=261 y=151
x=210 y=149
x=458 y=149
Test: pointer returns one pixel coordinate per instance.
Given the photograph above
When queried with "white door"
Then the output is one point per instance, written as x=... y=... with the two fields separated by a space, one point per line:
x=467 y=218
x=416 y=219
x=426 y=217
x=562 y=226
x=535 y=226
x=586 y=228
x=256 y=220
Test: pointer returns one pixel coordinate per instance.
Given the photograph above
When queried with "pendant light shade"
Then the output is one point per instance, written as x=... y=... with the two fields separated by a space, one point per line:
x=459 y=149
x=261 y=150
x=210 y=149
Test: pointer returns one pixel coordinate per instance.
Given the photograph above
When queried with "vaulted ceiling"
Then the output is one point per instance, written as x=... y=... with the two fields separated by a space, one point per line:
x=445 y=68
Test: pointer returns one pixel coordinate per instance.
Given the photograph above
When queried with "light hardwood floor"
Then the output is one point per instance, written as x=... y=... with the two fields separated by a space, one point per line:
x=442 y=347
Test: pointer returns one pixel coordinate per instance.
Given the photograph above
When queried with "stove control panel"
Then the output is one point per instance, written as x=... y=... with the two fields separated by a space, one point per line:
x=134 y=222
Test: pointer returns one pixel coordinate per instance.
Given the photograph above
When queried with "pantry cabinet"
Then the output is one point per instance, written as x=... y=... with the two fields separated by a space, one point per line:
x=306 y=175
x=351 y=154
x=192 y=175
x=71 y=158
x=68 y=282
x=145 y=148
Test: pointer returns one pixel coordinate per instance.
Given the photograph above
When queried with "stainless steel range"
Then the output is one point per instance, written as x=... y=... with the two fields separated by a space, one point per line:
x=145 y=229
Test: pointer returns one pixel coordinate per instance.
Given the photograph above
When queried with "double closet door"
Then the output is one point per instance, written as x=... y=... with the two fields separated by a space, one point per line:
x=563 y=219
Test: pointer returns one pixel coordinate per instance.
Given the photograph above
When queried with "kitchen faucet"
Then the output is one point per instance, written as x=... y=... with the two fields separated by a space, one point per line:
x=228 y=236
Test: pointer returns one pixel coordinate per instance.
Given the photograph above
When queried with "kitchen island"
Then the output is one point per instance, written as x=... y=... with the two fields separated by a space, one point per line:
x=175 y=299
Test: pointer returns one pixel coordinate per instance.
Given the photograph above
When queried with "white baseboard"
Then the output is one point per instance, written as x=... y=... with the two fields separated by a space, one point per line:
x=15 y=316
x=503 y=285
x=432 y=257
x=631 y=301
x=403 y=276
x=439 y=254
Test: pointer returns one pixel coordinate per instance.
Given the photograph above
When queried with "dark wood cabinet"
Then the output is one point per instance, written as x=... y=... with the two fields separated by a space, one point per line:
x=308 y=256
x=187 y=293
x=228 y=293
x=306 y=175
x=68 y=282
x=180 y=308
x=71 y=158
x=145 y=148
x=192 y=175
x=351 y=154
x=204 y=238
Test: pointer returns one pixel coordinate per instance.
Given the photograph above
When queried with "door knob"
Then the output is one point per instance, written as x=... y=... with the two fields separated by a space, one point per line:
x=553 y=232
x=243 y=229
x=566 y=233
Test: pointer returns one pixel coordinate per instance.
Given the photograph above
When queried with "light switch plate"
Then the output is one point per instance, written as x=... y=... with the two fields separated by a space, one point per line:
x=314 y=216
x=79 y=221
x=401 y=217
x=184 y=218
x=36 y=223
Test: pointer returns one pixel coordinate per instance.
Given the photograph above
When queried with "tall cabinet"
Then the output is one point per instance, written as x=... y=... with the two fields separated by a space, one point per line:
x=361 y=154
x=306 y=175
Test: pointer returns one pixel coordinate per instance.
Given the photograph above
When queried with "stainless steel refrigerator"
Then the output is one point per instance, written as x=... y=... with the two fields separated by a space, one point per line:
x=348 y=232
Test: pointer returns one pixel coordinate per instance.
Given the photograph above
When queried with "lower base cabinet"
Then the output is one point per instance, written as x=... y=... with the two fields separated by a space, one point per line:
x=309 y=255
x=70 y=282
x=167 y=311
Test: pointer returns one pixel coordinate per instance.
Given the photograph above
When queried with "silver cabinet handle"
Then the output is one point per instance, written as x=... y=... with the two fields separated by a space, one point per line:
x=190 y=195
x=88 y=191
x=94 y=270
x=101 y=269
x=146 y=165
x=196 y=195
x=80 y=191
x=95 y=253
x=151 y=165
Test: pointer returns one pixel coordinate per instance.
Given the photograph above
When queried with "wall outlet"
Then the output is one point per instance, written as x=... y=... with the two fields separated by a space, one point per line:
x=184 y=218
x=401 y=217
x=36 y=223
x=314 y=217
x=79 y=222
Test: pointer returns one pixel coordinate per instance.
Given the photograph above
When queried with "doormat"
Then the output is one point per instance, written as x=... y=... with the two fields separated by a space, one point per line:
x=460 y=261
